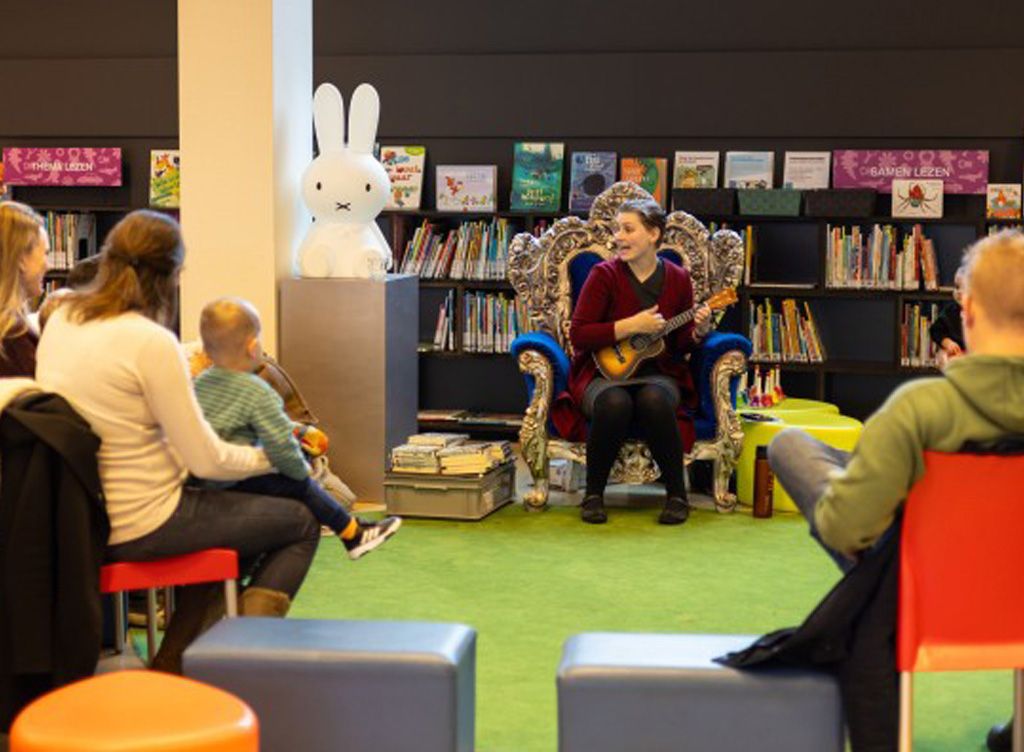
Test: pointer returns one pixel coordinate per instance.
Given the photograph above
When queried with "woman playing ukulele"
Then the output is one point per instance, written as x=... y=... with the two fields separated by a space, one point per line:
x=632 y=294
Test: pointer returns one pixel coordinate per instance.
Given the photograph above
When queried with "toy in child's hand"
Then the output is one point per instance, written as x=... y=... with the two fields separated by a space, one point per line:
x=345 y=188
x=312 y=440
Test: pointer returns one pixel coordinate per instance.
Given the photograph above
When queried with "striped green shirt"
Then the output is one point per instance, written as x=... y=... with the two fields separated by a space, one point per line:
x=243 y=409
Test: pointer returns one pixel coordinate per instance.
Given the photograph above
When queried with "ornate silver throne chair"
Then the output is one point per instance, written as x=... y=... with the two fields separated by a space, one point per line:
x=547 y=273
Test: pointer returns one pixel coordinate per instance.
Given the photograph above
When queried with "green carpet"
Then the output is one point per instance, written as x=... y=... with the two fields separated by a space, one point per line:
x=527 y=581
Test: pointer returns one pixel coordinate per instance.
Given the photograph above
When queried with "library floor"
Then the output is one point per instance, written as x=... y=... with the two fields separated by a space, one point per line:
x=527 y=581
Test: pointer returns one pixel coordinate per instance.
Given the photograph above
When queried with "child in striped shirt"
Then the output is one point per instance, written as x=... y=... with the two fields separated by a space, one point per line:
x=244 y=409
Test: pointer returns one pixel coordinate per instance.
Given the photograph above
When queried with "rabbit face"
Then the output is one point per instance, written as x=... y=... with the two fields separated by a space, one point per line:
x=342 y=186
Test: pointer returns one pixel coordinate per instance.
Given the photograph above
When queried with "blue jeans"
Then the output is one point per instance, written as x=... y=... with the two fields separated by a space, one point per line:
x=324 y=507
x=276 y=539
x=803 y=466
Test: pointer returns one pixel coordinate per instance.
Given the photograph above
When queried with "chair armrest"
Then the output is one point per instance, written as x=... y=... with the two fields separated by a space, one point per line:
x=547 y=346
x=702 y=366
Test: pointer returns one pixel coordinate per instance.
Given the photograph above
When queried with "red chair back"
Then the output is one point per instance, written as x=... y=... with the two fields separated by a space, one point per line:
x=961 y=603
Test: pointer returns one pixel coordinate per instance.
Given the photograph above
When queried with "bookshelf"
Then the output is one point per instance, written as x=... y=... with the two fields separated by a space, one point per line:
x=859 y=327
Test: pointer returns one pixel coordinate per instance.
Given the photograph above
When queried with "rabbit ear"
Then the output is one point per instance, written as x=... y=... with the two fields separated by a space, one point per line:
x=329 y=118
x=362 y=120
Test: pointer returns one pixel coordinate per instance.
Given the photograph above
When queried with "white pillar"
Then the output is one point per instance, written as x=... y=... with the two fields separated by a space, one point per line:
x=245 y=85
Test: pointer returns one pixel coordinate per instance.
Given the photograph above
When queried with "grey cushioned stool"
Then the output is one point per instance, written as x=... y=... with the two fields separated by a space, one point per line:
x=656 y=692
x=384 y=686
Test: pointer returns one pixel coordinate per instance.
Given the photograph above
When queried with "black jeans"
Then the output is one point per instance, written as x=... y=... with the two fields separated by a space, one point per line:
x=276 y=538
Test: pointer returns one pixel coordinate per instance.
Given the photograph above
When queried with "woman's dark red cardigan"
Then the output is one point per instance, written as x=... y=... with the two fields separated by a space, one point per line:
x=606 y=297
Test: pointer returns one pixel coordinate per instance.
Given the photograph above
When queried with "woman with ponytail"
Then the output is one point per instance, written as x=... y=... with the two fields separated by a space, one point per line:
x=23 y=248
x=107 y=349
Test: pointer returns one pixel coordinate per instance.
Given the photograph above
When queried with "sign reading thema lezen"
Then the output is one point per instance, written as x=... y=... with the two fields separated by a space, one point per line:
x=70 y=165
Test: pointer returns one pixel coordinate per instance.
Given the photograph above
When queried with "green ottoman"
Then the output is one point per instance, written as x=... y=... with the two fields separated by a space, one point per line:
x=823 y=423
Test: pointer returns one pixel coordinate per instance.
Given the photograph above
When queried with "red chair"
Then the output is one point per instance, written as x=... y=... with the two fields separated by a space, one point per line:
x=211 y=565
x=961 y=603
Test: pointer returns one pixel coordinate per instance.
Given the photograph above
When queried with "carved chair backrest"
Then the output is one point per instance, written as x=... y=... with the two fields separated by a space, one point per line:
x=547 y=272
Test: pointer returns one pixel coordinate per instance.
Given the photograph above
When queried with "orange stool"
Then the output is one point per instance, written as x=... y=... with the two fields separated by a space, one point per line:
x=211 y=565
x=142 y=711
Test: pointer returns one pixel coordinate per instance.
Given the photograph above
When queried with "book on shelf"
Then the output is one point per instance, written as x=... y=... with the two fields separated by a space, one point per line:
x=1003 y=201
x=878 y=259
x=806 y=170
x=405 y=166
x=5 y=191
x=787 y=335
x=916 y=347
x=490 y=321
x=512 y=420
x=590 y=173
x=650 y=173
x=537 y=177
x=439 y=415
x=749 y=169
x=72 y=236
x=476 y=250
x=917 y=198
x=466 y=188
x=782 y=285
x=165 y=178
x=444 y=332
x=695 y=169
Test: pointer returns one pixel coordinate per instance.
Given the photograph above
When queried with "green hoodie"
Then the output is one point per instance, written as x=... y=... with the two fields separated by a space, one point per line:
x=978 y=398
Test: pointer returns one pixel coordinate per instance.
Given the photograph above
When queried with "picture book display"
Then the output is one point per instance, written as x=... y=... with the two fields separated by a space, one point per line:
x=650 y=173
x=917 y=198
x=537 y=177
x=749 y=169
x=466 y=188
x=1003 y=201
x=165 y=178
x=695 y=169
x=806 y=170
x=591 y=172
x=405 y=166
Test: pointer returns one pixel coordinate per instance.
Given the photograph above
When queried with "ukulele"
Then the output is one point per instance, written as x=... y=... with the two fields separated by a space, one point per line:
x=620 y=361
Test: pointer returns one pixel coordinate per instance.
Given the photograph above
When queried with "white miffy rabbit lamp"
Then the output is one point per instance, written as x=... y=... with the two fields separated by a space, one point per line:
x=345 y=188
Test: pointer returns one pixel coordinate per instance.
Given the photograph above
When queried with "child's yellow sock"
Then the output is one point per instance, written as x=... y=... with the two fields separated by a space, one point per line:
x=351 y=530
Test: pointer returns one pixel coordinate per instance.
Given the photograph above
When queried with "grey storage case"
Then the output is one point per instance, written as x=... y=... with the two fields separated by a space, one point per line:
x=450 y=496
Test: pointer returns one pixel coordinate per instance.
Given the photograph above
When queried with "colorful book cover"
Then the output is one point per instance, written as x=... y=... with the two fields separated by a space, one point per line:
x=466 y=188
x=917 y=198
x=749 y=169
x=1003 y=201
x=592 y=172
x=165 y=178
x=404 y=165
x=650 y=173
x=537 y=177
x=695 y=169
x=5 y=192
x=806 y=170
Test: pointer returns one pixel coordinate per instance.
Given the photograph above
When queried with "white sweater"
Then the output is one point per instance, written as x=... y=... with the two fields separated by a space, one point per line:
x=128 y=378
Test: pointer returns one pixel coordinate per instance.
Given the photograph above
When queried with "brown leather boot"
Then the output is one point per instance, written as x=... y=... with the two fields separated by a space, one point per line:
x=257 y=601
x=198 y=608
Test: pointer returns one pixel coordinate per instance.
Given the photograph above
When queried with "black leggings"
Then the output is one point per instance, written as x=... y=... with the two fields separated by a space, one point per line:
x=652 y=410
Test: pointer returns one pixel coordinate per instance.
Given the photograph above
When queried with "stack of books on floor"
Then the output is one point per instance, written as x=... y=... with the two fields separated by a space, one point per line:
x=449 y=454
x=419 y=454
x=474 y=457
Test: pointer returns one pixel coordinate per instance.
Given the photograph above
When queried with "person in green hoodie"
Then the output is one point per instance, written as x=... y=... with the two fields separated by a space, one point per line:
x=851 y=499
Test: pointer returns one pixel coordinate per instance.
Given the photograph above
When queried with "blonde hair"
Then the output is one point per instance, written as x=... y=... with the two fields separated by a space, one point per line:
x=994 y=277
x=19 y=232
x=226 y=325
x=138 y=270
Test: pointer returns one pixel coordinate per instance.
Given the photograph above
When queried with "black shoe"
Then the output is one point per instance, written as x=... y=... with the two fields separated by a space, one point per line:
x=1000 y=738
x=592 y=510
x=676 y=511
x=371 y=535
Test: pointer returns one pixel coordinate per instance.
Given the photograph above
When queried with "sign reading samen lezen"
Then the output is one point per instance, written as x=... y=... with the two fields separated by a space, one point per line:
x=960 y=170
x=73 y=165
